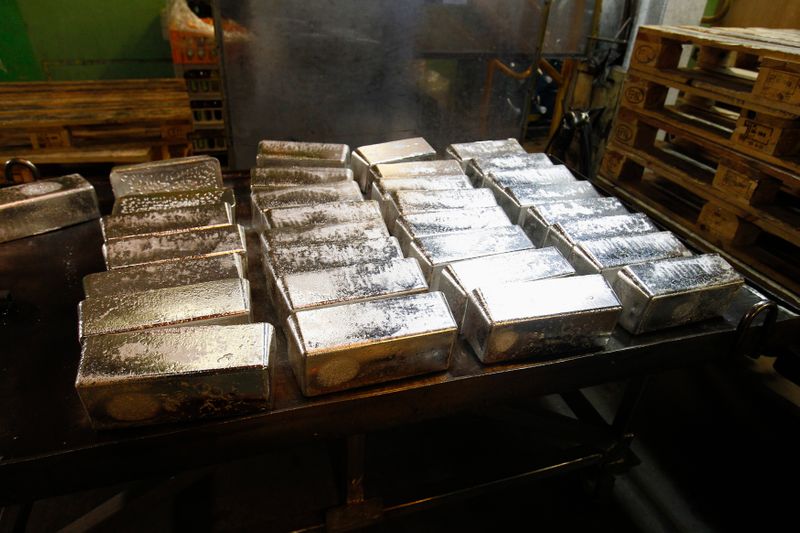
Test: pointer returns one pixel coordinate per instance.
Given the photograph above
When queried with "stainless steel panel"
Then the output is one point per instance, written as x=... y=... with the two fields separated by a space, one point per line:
x=45 y=205
x=352 y=345
x=539 y=217
x=517 y=198
x=162 y=201
x=298 y=154
x=219 y=302
x=402 y=203
x=175 y=374
x=458 y=279
x=674 y=292
x=400 y=151
x=409 y=227
x=293 y=176
x=351 y=231
x=151 y=222
x=540 y=318
x=565 y=235
x=170 y=175
x=466 y=152
x=331 y=213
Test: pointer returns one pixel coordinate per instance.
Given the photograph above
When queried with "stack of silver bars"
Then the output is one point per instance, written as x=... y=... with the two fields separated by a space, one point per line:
x=166 y=331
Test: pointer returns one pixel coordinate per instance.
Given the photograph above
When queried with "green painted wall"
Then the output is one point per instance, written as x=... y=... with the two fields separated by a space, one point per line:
x=83 y=39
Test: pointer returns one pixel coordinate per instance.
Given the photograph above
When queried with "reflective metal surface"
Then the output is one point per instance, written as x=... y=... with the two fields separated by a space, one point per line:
x=402 y=203
x=187 y=271
x=141 y=249
x=434 y=252
x=528 y=177
x=45 y=205
x=350 y=231
x=564 y=235
x=402 y=150
x=293 y=176
x=458 y=279
x=466 y=152
x=539 y=217
x=409 y=227
x=330 y=213
x=293 y=153
x=351 y=345
x=607 y=256
x=170 y=175
x=265 y=200
x=540 y=318
x=380 y=188
x=180 y=219
x=417 y=169
x=480 y=167
x=673 y=292
x=175 y=374
x=518 y=197
x=162 y=201
x=219 y=302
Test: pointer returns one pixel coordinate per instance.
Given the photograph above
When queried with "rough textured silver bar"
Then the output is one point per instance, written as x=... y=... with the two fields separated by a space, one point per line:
x=175 y=374
x=528 y=177
x=517 y=198
x=480 y=167
x=381 y=188
x=409 y=227
x=400 y=151
x=161 y=275
x=465 y=152
x=45 y=205
x=674 y=292
x=351 y=231
x=458 y=279
x=331 y=213
x=274 y=177
x=352 y=345
x=402 y=203
x=540 y=217
x=607 y=256
x=540 y=318
x=170 y=175
x=434 y=252
x=264 y=200
x=565 y=235
x=220 y=302
x=137 y=250
x=417 y=169
x=162 y=201
x=359 y=282
x=296 y=154
x=152 y=222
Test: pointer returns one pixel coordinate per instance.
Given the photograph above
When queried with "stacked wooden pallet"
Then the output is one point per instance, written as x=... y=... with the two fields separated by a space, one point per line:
x=722 y=158
x=117 y=121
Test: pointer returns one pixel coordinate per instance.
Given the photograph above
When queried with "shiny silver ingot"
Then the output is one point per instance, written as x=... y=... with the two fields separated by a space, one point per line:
x=458 y=279
x=402 y=203
x=296 y=154
x=565 y=235
x=175 y=374
x=220 y=302
x=480 y=167
x=466 y=152
x=265 y=200
x=45 y=205
x=540 y=217
x=400 y=151
x=409 y=227
x=352 y=345
x=434 y=252
x=674 y=292
x=540 y=318
x=358 y=282
x=417 y=169
x=170 y=175
x=517 y=198
x=351 y=231
x=528 y=177
x=161 y=275
x=152 y=222
x=296 y=176
x=314 y=215
x=137 y=250
x=162 y=201
x=607 y=256
x=381 y=188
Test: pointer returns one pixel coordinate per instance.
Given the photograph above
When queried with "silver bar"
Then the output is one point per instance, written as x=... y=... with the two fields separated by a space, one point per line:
x=45 y=205
x=540 y=318
x=153 y=222
x=674 y=292
x=434 y=252
x=465 y=152
x=162 y=201
x=458 y=279
x=359 y=282
x=295 y=154
x=565 y=235
x=409 y=227
x=364 y=343
x=540 y=217
x=400 y=151
x=175 y=374
x=170 y=175
x=351 y=231
x=137 y=250
x=220 y=302
x=417 y=169
x=313 y=215
x=274 y=177
x=161 y=275
x=480 y=167
x=517 y=198
x=402 y=203
x=528 y=177
x=264 y=200
x=608 y=256
x=381 y=188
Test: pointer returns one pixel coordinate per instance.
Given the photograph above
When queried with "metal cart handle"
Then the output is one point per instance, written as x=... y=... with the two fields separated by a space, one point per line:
x=16 y=161
x=768 y=306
